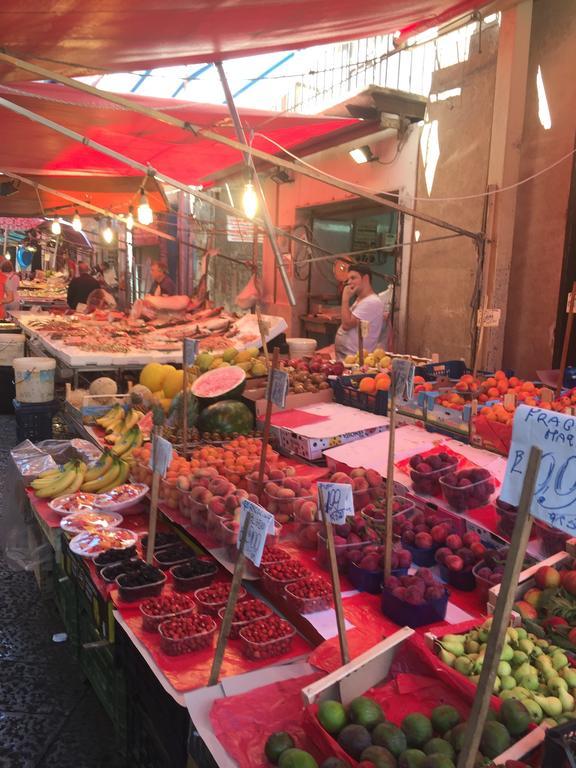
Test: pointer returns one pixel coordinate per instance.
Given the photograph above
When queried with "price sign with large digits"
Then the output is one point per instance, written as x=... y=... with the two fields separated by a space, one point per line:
x=261 y=524
x=161 y=455
x=554 y=500
x=189 y=352
x=337 y=501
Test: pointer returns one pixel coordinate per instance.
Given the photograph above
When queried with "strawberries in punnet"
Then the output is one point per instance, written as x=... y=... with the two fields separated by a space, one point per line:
x=266 y=638
x=276 y=576
x=244 y=613
x=309 y=595
x=211 y=599
x=187 y=633
x=156 y=610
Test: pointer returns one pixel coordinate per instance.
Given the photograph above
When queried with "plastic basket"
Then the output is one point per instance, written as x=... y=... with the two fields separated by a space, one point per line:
x=345 y=393
x=560 y=746
x=451 y=369
x=34 y=420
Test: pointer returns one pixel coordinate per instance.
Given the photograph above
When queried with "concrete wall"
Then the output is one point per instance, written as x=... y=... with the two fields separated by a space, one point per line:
x=443 y=273
x=542 y=203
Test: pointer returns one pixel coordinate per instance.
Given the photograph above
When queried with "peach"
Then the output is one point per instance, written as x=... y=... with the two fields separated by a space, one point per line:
x=289 y=471
x=219 y=486
x=272 y=489
x=358 y=472
x=200 y=494
x=340 y=477
x=292 y=483
x=360 y=484
x=275 y=475
x=183 y=483
x=217 y=505
x=306 y=511
x=374 y=478
x=230 y=502
x=286 y=493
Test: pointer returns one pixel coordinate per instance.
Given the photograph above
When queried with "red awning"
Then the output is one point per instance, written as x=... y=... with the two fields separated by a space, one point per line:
x=29 y=148
x=76 y=37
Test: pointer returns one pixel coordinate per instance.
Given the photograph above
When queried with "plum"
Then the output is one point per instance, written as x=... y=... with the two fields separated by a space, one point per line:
x=414 y=596
x=408 y=537
x=416 y=460
x=454 y=563
x=442 y=554
x=423 y=541
x=435 y=592
x=392 y=582
x=426 y=575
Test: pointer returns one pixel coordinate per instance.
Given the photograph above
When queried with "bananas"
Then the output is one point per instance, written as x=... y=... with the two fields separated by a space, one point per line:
x=127 y=442
x=113 y=414
x=104 y=481
x=101 y=466
x=68 y=480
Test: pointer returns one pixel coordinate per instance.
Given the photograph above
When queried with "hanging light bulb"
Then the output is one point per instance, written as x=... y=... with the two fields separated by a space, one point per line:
x=130 y=219
x=107 y=233
x=76 y=221
x=250 y=200
x=145 y=215
x=56 y=227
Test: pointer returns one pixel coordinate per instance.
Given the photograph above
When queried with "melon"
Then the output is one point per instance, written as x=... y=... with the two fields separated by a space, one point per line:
x=152 y=376
x=177 y=409
x=141 y=396
x=173 y=383
x=104 y=387
x=226 y=417
x=220 y=383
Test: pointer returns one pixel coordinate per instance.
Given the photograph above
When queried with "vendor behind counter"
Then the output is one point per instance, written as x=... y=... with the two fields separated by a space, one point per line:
x=367 y=307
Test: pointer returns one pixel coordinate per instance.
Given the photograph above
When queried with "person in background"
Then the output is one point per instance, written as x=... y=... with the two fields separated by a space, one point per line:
x=10 y=299
x=109 y=275
x=82 y=286
x=98 y=299
x=366 y=307
x=162 y=284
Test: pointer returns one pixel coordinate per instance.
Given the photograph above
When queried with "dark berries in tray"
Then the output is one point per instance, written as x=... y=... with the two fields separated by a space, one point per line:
x=146 y=582
x=193 y=574
x=114 y=556
x=110 y=572
x=173 y=555
x=163 y=539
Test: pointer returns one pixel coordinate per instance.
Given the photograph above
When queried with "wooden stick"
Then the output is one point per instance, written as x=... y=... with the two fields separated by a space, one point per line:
x=185 y=402
x=478 y=354
x=262 y=328
x=153 y=502
x=360 y=344
x=340 y=620
x=268 y=416
x=229 y=613
x=566 y=344
x=390 y=483
x=504 y=604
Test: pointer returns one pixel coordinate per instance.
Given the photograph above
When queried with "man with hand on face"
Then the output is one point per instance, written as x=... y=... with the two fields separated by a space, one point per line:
x=366 y=307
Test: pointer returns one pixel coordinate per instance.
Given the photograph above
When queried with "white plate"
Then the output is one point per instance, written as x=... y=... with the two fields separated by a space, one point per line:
x=92 y=544
x=74 y=502
x=93 y=520
x=109 y=501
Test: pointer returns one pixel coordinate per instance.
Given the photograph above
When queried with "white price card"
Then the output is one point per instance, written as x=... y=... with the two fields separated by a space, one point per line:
x=403 y=378
x=337 y=501
x=488 y=318
x=189 y=352
x=278 y=383
x=161 y=455
x=260 y=524
x=554 y=500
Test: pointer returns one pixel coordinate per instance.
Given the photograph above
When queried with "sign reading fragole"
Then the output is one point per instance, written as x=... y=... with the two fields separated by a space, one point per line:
x=337 y=501
x=278 y=383
x=260 y=524
x=554 y=500
x=403 y=378
x=161 y=455
x=190 y=352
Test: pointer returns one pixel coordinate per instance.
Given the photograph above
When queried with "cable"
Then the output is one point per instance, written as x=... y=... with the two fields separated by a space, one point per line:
x=428 y=199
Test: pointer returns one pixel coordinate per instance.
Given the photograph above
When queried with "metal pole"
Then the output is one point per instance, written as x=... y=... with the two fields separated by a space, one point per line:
x=268 y=226
x=302 y=168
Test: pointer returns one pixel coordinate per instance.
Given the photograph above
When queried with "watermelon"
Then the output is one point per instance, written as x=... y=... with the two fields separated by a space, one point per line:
x=220 y=383
x=176 y=412
x=226 y=417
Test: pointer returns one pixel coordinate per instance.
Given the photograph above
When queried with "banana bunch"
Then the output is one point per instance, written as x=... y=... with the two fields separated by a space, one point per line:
x=126 y=443
x=109 y=472
x=65 y=479
x=118 y=422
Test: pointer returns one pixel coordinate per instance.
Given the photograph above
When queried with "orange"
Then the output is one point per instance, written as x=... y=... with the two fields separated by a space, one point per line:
x=382 y=381
x=419 y=380
x=514 y=381
x=499 y=375
x=503 y=385
x=367 y=385
x=493 y=392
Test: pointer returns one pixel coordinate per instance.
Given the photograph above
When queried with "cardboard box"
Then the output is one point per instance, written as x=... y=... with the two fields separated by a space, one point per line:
x=258 y=397
x=526 y=578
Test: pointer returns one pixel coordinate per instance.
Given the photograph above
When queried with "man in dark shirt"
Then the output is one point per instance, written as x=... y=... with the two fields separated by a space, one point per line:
x=162 y=285
x=82 y=286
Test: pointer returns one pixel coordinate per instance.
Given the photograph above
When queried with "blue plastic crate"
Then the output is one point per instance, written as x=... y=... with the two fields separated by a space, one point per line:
x=34 y=420
x=346 y=393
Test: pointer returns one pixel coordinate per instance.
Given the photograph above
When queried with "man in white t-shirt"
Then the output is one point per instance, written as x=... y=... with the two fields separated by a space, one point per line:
x=367 y=307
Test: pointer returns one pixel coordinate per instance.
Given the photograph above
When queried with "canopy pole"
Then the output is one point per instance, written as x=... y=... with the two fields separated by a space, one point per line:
x=268 y=226
x=276 y=160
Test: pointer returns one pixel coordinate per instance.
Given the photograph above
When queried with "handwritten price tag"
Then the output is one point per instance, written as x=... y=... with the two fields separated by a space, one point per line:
x=554 y=499
x=260 y=524
x=403 y=378
x=278 y=383
x=161 y=455
x=189 y=351
x=489 y=318
x=337 y=501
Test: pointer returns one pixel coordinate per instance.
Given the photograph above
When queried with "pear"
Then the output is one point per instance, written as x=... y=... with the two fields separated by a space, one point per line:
x=555 y=684
x=549 y=673
x=567 y=700
x=505 y=670
x=551 y=706
x=464 y=665
x=522 y=633
x=455 y=648
x=530 y=682
x=447 y=657
x=534 y=708
x=471 y=646
x=518 y=658
x=453 y=639
x=524 y=670
x=537 y=652
x=510 y=693
x=541 y=643
x=512 y=635
x=569 y=674
x=497 y=684
x=543 y=662
x=549 y=722
x=526 y=645
x=473 y=635
x=507 y=653
x=559 y=660
x=521 y=693
x=507 y=682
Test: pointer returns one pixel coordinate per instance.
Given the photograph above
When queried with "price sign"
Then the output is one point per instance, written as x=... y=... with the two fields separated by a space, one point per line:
x=554 y=500
x=403 y=378
x=161 y=455
x=488 y=318
x=278 y=383
x=337 y=501
x=189 y=352
x=260 y=525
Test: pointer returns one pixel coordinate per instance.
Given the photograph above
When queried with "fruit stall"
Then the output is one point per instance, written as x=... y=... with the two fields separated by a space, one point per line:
x=147 y=565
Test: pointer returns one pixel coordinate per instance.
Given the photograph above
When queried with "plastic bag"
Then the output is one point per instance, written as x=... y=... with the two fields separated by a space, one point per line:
x=249 y=296
x=31 y=460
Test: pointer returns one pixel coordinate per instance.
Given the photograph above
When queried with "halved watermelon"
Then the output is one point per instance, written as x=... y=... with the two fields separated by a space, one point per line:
x=220 y=383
